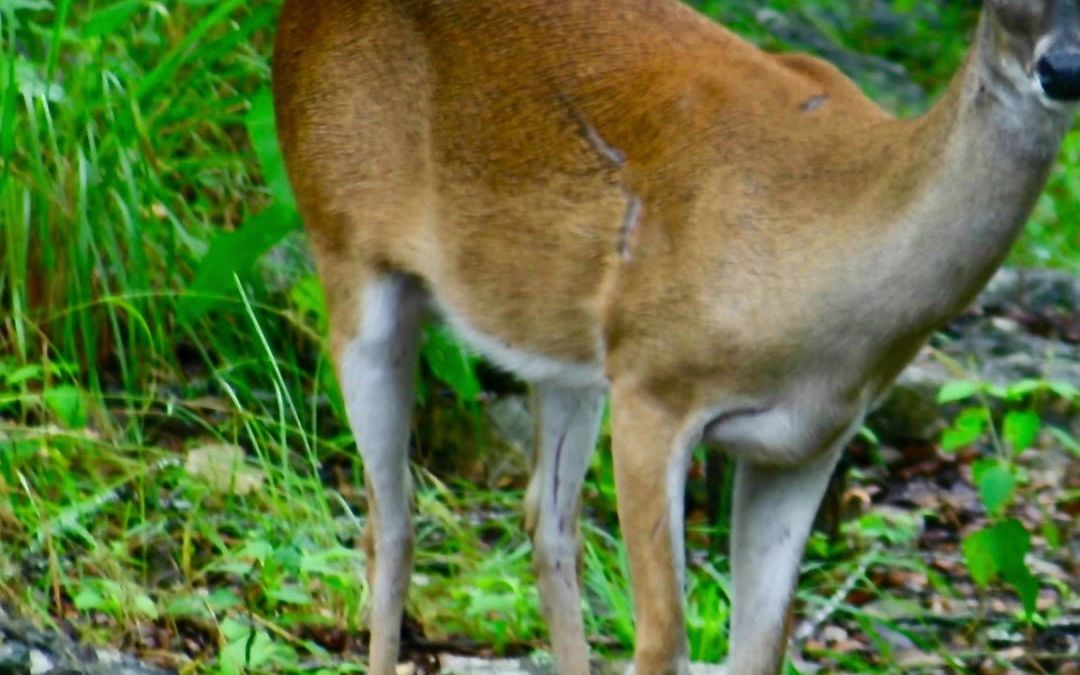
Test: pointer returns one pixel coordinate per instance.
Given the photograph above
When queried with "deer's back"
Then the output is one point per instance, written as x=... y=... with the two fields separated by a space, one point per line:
x=495 y=148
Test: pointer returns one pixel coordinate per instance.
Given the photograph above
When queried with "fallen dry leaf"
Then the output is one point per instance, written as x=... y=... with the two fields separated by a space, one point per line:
x=222 y=467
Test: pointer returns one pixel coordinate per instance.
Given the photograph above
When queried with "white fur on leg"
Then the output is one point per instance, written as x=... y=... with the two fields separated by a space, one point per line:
x=377 y=378
x=568 y=424
x=773 y=511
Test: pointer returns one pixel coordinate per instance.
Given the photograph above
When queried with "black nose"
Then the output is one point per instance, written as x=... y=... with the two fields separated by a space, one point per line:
x=1059 y=73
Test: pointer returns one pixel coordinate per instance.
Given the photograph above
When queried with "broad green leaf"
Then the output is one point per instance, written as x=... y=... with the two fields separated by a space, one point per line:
x=449 y=362
x=290 y=594
x=1022 y=389
x=235 y=253
x=1027 y=587
x=23 y=374
x=187 y=606
x=67 y=404
x=1011 y=543
x=969 y=427
x=262 y=130
x=257 y=550
x=222 y=599
x=1021 y=429
x=89 y=599
x=979 y=554
x=248 y=651
x=106 y=20
x=1051 y=534
x=957 y=390
x=996 y=484
x=144 y=606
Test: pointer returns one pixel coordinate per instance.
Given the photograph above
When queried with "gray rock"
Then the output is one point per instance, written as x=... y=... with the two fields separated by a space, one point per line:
x=40 y=663
x=14 y=659
x=27 y=650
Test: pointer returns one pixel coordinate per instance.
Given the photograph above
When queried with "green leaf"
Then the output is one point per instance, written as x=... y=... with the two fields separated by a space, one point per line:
x=1065 y=390
x=290 y=594
x=1051 y=534
x=257 y=550
x=250 y=650
x=144 y=606
x=896 y=528
x=187 y=606
x=308 y=297
x=454 y=366
x=969 y=427
x=235 y=253
x=867 y=434
x=1022 y=389
x=89 y=599
x=106 y=20
x=237 y=568
x=67 y=404
x=957 y=390
x=1021 y=429
x=32 y=5
x=1000 y=550
x=222 y=599
x=1067 y=440
x=24 y=374
x=166 y=68
x=330 y=562
x=979 y=554
x=1027 y=587
x=1011 y=543
x=996 y=484
x=262 y=130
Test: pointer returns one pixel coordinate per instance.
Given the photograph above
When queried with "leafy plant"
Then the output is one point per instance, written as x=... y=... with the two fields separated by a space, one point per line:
x=998 y=550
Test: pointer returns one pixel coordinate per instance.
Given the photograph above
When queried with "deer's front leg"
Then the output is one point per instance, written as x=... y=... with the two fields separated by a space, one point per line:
x=651 y=454
x=774 y=508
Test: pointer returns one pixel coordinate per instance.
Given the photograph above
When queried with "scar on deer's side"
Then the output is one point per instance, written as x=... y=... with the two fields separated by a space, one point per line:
x=617 y=158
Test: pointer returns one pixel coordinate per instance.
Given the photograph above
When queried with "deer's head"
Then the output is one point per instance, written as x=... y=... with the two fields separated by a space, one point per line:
x=1038 y=41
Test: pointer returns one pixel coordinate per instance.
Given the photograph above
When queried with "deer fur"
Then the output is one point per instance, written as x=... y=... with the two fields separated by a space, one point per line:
x=624 y=196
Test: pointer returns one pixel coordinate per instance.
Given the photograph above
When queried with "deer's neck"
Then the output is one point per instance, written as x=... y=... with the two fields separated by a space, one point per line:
x=984 y=152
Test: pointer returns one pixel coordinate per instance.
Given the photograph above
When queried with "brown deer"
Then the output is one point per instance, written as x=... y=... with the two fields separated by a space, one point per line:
x=624 y=196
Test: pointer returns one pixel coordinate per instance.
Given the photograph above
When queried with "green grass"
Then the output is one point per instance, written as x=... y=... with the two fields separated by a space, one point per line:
x=134 y=143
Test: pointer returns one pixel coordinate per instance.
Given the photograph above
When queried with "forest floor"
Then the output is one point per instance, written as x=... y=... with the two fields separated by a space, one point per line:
x=886 y=586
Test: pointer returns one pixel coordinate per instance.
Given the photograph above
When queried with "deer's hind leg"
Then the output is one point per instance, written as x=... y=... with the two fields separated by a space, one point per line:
x=376 y=333
x=568 y=421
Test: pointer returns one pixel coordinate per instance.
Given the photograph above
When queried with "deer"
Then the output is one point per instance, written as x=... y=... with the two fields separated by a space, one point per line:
x=625 y=200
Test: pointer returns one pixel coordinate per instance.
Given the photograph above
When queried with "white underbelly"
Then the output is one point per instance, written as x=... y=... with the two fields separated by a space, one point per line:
x=529 y=366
